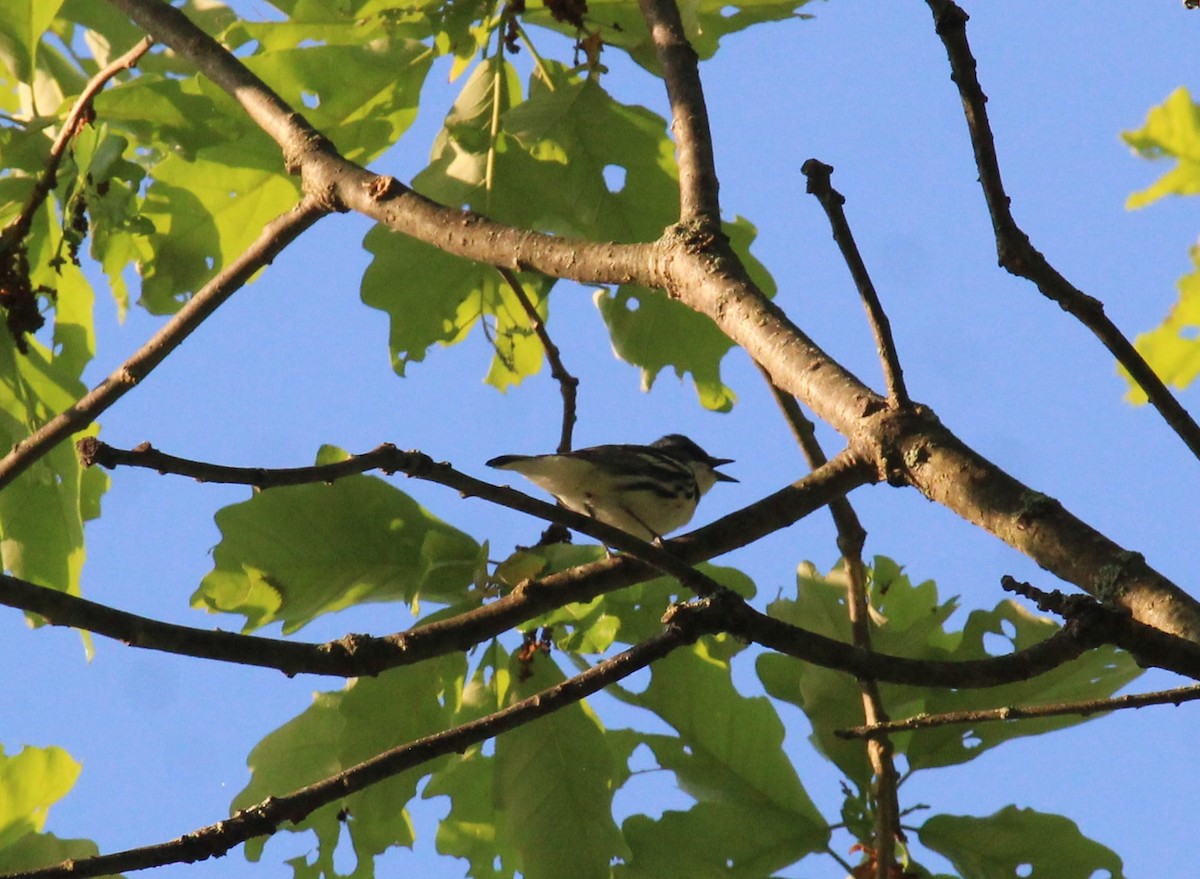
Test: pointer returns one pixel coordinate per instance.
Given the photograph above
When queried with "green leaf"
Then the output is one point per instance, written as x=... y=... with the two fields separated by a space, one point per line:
x=469 y=829
x=1018 y=842
x=576 y=133
x=154 y=110
x=705 y=21
x=118 y=229
x=432 y=298
x=729 y=756
x=553 y=785
x=1172 y=131
x=293 y=553
x=913 y=622
x=342 y=729
x=42 y=511
x=629 y=615
x=22 y=24
x=652 y=331
x=31 y=781
x=1173 y=348
x=206 y=212
x=363 y=96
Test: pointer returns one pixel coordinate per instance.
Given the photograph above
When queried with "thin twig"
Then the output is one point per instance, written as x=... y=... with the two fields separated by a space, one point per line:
x=275 y=236
x=416 y=464
x=832 y=201
x=567 y=383
x=1084 y=708
x=1013 y=247
x=698 y=185
x=265 y=818
x=76 y=118
x=851 y=537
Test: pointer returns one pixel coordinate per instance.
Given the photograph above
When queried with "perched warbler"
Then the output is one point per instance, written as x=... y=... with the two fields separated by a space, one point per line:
x=647 y=491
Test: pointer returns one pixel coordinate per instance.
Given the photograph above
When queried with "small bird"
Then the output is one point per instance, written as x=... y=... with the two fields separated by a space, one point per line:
x=647 y=491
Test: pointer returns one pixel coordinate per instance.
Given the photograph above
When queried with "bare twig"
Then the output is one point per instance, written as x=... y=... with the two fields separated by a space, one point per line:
x=76 y=118
x=420 y=466
x=851 y=536
x=567 y=383
x=1013 y=247
x=820 y=185
x=275 y=236
x=698 y=198
x=1084 y=708
x=779 y=510
x=266 y=817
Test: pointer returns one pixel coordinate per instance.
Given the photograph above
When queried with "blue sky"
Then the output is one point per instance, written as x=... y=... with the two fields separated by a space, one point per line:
x=295 y=361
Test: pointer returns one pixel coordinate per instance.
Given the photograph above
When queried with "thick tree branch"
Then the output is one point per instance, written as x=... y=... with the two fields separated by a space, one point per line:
x=698 y=183
x=832 y=201
x=1013 y=247
x=263 y=819
x=339 y=184
x=914 y=447
x=275 y=236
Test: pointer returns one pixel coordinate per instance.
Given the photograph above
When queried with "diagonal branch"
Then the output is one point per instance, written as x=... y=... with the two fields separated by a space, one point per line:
x=819 y=184
x=275 y=236
x=567 y=383
x=1013 y=247
x=339 y=184
x=265 y=818
x=698 y=183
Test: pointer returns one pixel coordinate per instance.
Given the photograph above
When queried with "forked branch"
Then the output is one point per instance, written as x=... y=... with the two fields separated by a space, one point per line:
x=1017 y=253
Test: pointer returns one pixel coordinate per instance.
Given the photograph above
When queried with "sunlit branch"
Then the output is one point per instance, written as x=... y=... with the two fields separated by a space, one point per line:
x=1013 y=247
x=698 y=185
x=832 y=201
x=76 y=118
x=275 y=236
x=1083 y=708
x=339 y=184
x=567 y=383
x=266 y=817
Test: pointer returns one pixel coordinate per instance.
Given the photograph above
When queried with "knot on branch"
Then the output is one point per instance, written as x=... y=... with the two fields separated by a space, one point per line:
x=705 y=616
x=897 y=440
x=820 y=183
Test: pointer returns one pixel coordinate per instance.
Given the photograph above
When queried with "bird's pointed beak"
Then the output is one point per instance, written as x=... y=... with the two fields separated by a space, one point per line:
x=721 y=462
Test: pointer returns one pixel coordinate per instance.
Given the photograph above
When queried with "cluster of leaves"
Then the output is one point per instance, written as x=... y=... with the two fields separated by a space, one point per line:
x=178 y=181
x=1172 y=131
